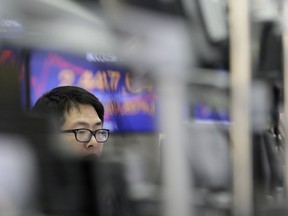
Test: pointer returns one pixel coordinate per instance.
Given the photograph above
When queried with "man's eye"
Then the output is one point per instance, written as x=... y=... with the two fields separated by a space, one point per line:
x=103 y=133
x=81 y=132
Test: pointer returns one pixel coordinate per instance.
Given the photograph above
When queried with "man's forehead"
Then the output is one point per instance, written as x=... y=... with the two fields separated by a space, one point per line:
x=82 y=113
x=80 y=109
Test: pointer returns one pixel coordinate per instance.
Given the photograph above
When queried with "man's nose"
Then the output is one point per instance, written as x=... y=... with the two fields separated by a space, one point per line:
x=92 y=143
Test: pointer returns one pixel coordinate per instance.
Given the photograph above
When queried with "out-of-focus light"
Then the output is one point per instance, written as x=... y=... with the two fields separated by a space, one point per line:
x=92 y=57
x=10 y=23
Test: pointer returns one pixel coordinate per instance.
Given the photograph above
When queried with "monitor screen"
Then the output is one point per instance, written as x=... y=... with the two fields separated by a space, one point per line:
x=9 y=54
x=130 y=103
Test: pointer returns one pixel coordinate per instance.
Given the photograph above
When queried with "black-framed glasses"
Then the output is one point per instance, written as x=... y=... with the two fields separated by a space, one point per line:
x=84 y=135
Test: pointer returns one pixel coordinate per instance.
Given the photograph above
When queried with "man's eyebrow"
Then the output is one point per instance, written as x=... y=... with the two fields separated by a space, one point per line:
x=86 y=124
x=99 y=123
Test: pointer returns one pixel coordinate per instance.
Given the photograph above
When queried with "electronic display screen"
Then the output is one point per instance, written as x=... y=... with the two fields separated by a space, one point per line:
x=130 y=103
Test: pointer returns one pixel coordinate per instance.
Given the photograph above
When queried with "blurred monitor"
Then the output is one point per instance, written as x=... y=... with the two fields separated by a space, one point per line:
x=130 y=103
x=11 y=54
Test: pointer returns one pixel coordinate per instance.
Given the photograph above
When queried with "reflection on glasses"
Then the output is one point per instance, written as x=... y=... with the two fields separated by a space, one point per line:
x=84 y=135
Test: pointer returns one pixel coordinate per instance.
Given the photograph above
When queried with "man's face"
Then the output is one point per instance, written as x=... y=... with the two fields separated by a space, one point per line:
x=84 y=117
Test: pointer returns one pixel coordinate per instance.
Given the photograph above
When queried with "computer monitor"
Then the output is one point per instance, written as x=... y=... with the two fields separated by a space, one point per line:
x=130 y=103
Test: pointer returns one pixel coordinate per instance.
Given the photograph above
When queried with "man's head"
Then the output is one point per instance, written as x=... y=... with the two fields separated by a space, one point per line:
x=80 y=116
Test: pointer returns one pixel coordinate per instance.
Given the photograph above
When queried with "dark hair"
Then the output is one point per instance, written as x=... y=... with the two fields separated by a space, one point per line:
x=61 y=99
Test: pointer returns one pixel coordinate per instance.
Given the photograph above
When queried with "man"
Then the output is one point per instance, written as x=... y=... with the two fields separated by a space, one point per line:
x=80 y=116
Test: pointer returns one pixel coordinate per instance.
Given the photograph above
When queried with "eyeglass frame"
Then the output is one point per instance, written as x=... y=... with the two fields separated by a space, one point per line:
x=93 y=133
